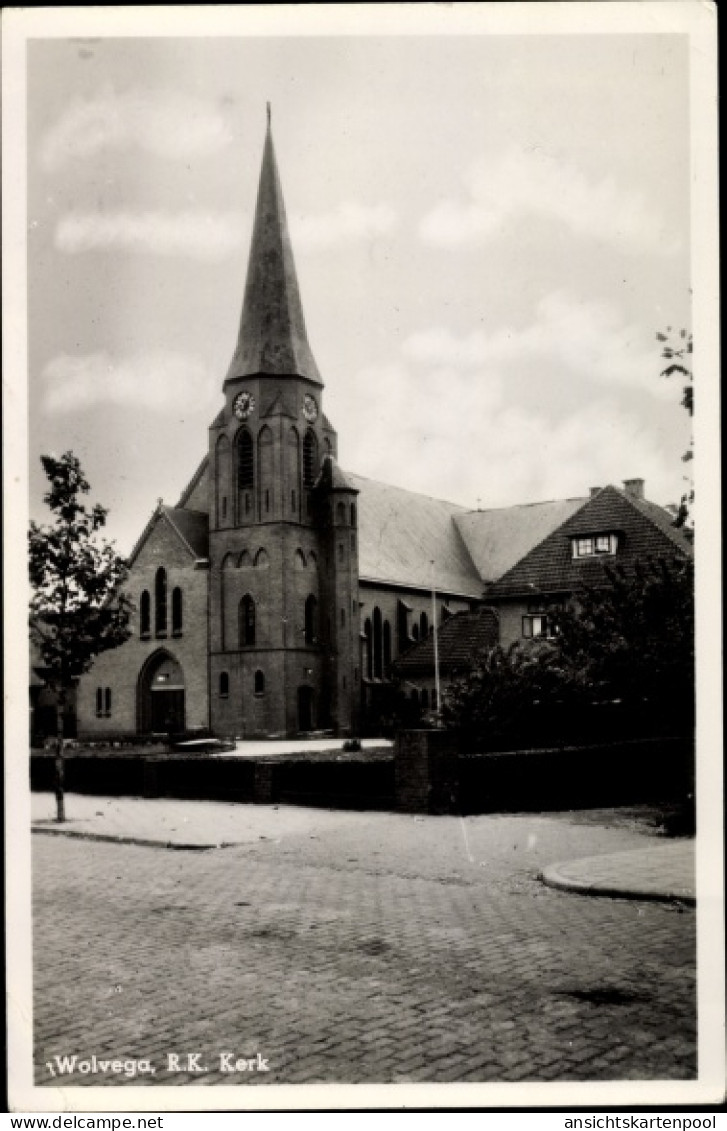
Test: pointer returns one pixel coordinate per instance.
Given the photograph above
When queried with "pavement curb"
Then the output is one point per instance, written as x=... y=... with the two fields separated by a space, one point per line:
x=144 y=843
x=554 y=878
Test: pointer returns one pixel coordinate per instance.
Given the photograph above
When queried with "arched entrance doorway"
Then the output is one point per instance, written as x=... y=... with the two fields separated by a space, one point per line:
x=161 y=695
x=305 y=708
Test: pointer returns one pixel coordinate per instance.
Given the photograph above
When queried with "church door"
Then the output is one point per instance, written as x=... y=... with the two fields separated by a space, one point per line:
x=305 y=708
x=161 y=696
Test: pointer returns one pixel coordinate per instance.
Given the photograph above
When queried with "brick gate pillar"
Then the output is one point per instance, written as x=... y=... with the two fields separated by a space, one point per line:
x=426 y=772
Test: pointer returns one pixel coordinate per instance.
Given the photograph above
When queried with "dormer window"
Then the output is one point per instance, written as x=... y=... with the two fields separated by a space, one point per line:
x=595 y=545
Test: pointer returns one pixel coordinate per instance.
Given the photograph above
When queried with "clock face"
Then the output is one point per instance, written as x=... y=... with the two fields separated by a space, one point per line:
x=310 y=408
x=243 y=405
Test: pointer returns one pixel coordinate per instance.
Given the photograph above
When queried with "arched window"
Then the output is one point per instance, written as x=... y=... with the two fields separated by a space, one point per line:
x=387 y=649
x=310 y=459
x=176 y=611
x=369 y=651
x=299 y=559
x=353 y=514
x=311 y=619
x=265 y=468
x=245 y=462
x=424 y=626
x=160 y=601
x=224 y=684
x=145 y=614
x=262 y=561
x=222 y=464
x=247 y=620
x=378 y=645
x=340 y=513
x=259 y=683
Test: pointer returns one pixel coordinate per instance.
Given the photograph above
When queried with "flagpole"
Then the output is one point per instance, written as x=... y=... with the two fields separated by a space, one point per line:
x=436 y=645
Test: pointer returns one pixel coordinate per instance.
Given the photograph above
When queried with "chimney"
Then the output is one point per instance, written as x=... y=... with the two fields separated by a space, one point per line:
x=634 y=488
x=593 y=491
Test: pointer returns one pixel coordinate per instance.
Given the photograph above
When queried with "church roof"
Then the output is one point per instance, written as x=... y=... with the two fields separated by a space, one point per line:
x=498 y=538
x=644 y=531
x=401 y=533
x=459 y=639
x=272 y=339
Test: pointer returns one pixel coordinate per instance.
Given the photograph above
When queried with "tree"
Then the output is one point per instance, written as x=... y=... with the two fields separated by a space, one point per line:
x=625 y=645
x=677 y=352
x=495 y=701
x=631 y=641
x=76 y=611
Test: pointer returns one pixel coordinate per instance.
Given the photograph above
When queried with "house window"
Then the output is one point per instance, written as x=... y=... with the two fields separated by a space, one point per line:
x=424 y=626
x=176 y=612
x=247 y=620
x=593 y=545
x=145 y=614
x=368 y=662
x=103 y=702
x=387 y=650
x=536 y=625
x=259 y=683
x=378 y=645
x=224 y=685
x=160 y=601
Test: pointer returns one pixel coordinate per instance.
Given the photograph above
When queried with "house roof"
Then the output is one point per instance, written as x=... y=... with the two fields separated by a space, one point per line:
x=459 y=638
x=644 y=531
x=272 y=338
x=195 y=480
x=498 y=538
x=400 y=533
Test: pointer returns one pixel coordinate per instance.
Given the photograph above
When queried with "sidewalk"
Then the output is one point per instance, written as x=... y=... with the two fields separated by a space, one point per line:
x=660 y=870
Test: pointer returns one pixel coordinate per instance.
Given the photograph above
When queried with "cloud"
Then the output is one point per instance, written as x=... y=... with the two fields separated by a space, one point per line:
x=194 y=232
x=532 y=182
x=346 y=224
x=587 y=338
x=166 y=123
x=151 y=380
x=452 y=434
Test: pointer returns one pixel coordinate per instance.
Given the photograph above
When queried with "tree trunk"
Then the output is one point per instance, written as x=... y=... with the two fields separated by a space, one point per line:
x=59 y=777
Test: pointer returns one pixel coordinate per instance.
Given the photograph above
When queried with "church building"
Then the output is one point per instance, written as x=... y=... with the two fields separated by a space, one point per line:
x=276 y=595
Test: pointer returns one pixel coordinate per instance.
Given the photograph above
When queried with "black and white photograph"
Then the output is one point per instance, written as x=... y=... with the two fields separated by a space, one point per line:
x=361 y=396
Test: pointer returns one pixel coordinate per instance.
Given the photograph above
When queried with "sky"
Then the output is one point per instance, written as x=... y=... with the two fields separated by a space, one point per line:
x=489 y=230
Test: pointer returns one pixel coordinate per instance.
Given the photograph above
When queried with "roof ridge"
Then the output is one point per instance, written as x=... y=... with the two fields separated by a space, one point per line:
x=407 y=491
x=642 y=506
x=522 y=506
x=193 y=482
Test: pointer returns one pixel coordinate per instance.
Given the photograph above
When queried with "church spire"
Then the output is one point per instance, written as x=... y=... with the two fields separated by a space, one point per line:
x=272 y=339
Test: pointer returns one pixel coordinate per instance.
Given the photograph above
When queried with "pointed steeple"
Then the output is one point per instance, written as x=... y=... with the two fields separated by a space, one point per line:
x=272 y=339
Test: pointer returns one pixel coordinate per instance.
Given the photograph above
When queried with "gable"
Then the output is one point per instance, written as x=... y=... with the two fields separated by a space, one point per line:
x=642 y=528
x=173 y=537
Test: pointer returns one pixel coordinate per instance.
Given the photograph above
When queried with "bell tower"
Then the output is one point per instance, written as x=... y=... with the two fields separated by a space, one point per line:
x=273 y=651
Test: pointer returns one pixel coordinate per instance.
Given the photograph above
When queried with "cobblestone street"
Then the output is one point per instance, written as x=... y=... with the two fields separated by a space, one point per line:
x=359 y=947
